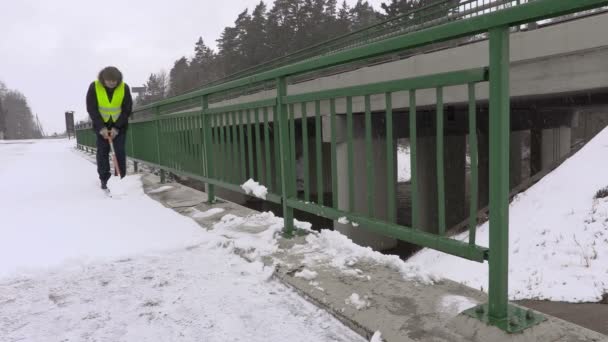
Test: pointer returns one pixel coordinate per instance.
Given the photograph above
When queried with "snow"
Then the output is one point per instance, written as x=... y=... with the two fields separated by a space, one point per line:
x=61 y=215
x=306 y=274
x=207 y=213
x=377 y=337
x=334 y=250
x=76 y=265
x=357 y=301
x=404 y=168
x=343 y=220
x=253 y=187
x=161 y=189
x=558 y=235
x=454 y=305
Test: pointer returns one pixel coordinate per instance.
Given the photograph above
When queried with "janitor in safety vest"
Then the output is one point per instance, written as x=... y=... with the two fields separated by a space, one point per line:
x=109 y=104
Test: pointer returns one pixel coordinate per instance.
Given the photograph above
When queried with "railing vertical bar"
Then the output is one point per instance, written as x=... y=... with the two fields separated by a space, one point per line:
x=251 y=173
x=277 y=149
x=305 y=153
x=390 y=161
x=369 y=156
x=235 y=148
x=473 y=205
x=258 y=146
x=223 y=148
x=292 y=143
x=334 y=161
x=413 y=166
x=229 y=147
x=351 y=153
x=243 y=165
x=440 y=162
x=319 y=152
x=268 y=160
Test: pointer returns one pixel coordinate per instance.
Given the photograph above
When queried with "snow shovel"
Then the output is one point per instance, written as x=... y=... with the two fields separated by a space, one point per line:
x=114 y=160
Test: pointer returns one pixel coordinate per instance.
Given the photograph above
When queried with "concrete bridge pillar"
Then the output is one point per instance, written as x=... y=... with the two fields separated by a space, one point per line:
x=548 y=146
x=358 y=234
x=515 y=160
x=515 y=164
x=455 y=173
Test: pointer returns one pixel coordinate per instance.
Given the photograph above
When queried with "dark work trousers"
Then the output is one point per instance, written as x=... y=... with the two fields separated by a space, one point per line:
x=103 y=152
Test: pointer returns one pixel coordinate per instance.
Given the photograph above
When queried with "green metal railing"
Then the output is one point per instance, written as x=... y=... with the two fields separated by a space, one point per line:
x=224 y=145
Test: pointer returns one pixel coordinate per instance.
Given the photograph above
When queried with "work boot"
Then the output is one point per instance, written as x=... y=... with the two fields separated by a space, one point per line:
x=104 y=185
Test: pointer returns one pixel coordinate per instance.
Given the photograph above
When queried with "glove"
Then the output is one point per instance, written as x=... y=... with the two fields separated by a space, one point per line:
x=104 y=133
x=114 y=132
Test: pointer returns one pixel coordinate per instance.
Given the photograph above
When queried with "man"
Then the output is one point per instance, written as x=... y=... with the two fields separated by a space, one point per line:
x=109 y=104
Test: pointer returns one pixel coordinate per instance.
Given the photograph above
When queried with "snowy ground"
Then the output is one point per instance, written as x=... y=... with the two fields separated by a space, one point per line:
x=76 y=265
x=558 y=235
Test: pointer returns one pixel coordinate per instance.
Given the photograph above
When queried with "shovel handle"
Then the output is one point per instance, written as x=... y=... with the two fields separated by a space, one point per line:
x=114 y=160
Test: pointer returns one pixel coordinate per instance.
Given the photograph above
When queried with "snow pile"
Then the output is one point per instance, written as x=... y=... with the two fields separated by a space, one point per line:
x=356 y=301
x=204 y=214
x=233 y=233
x=558 y=235
x=306 y=274
x=332 y=249
x=253 y=187
x=129 y=186
x=255 y=235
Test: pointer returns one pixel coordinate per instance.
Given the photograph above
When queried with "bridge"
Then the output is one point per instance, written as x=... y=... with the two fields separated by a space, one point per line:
x=320 y=127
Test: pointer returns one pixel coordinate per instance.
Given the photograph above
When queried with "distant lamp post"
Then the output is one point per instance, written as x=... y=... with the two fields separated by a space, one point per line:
x=69 y=123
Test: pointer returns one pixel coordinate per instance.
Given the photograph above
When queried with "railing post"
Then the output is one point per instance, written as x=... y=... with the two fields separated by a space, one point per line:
x=158 y=152
x=498 y=312
x=499 y=174
x=284 y=150
x=208 y=147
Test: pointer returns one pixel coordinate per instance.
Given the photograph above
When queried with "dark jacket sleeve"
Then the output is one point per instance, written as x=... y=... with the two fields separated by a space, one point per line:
x=93 y=108
x=126 y=111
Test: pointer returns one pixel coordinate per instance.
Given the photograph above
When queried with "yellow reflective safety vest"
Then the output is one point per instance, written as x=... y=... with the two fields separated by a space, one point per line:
x=109 y=110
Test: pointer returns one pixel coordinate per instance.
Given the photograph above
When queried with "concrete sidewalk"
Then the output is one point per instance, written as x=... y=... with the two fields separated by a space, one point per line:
x=403 y=310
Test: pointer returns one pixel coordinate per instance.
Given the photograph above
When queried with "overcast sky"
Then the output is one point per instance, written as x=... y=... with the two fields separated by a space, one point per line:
x=52 y=50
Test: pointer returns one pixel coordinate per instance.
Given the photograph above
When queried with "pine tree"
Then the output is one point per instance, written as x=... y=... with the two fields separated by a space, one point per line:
x=203 y=64
x=179 y=82
x=439 y=9
x=344 y=20
x=254 y=45
x=363 y=15
x=156 y=89
x=2 y=111
x=19 y=120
